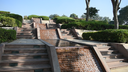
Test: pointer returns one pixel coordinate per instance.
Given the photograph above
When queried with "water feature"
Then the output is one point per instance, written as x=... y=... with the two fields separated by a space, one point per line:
x=61 y=43
x=48 y=34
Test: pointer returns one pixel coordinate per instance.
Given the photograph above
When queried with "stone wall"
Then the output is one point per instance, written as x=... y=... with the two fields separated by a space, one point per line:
x=77 y=60
x=80 y=32
x=8 y=28
x=45 y=21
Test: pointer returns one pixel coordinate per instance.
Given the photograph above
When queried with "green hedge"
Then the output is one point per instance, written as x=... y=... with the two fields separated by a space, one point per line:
x=7 y=21
x=15 y=16
x=64 y=20
x=4 y=12
x=7 y=35
x=92 y=25
x=36 y=16
x=44 y=17
x=110 y=35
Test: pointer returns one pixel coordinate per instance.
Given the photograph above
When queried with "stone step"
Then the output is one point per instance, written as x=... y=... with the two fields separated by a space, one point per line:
x=116 y=60
x=19 y=62
x=104 y=52
x=68 y=37
x=23 y=60
x=24 y=31
x=24 y=56
x=18 y=49
x=44 y=67
x=118 y=65
x=25 y=46
x=24 y=34
x=103 y=47
x=111 y=56
x=24 y=37
x=24 y=50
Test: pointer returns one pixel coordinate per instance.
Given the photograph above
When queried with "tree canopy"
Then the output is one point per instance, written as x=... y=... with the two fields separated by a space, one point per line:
x=123 y=16
x=53 y=16
x=93 y=11
x=73 y=15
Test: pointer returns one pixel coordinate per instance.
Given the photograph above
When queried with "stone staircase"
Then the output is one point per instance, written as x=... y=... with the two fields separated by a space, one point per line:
x=66 y=34
x=113 y=57
x=25 y=58
x=26 y=32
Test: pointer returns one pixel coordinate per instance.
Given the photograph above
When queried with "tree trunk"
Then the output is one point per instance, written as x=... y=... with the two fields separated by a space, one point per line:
x=116 y=7
x=116 y=22
x=87 y=9
x=87 y=13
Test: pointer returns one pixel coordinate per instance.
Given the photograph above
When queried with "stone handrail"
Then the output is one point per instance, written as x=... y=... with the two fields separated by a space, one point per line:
x=52 y=56
x=100 y=59
x=59 y=33
x=1 y=50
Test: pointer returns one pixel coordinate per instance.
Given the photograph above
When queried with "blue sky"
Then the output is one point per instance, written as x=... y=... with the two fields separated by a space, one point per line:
x=60 y=7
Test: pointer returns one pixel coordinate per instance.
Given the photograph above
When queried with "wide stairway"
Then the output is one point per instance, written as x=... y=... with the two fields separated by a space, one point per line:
x=25 y=58
x=26 y=32
x=113 y=58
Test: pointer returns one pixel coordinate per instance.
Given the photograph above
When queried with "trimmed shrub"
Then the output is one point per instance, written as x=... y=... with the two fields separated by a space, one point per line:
x=15 y=16
x=8 y=21
x=44 y=17
x=109 y=35
x=7 y=35
x=4 y=12
x=64 y=20
x=90 y=25
x=36 y=16
x=18 y=23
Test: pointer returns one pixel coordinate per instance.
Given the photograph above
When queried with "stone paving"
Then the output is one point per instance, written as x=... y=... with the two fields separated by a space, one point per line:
x=26 y=41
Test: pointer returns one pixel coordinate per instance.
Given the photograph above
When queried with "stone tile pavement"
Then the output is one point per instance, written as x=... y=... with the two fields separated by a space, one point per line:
x=26 y=41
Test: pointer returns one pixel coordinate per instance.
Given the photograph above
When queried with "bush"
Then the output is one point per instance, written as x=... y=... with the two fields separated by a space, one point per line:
x=90 y=25
x=15 y=16
x=110 y=35
x=4 y=12
x=36 y=16
x=44 y=17
x=7 y=35
x=8 y=21
x=64 y=20
x=18 y=23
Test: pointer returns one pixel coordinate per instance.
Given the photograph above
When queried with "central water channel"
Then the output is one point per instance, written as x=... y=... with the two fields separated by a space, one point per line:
x=62 y=43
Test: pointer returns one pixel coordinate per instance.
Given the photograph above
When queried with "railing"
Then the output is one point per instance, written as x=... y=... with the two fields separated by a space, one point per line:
x=52 y=56
x=1 y=50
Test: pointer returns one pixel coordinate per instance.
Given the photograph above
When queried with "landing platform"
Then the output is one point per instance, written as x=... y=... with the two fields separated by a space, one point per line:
x=26 y=41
